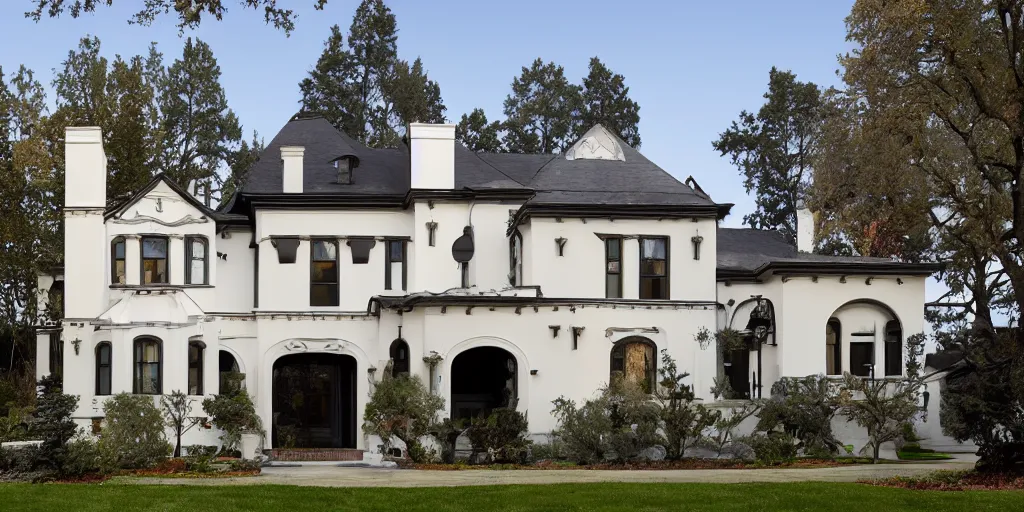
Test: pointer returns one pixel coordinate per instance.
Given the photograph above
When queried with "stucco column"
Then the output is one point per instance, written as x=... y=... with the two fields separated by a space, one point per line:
x=132 y=259
x=630 y=268
x=176 y=259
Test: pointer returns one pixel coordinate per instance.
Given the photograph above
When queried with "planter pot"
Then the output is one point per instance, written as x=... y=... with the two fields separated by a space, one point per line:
x=251 y=446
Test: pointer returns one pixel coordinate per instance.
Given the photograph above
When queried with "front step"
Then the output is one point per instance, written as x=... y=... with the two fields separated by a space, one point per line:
x=316 y=454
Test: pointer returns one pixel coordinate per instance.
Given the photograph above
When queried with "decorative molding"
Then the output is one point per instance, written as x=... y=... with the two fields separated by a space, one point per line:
x=631 y=330
x=597 y=144
x=296 y=346
x=142 y=219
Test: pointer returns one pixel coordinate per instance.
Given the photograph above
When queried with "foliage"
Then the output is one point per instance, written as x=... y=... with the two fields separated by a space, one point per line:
x=402 y=408
x=190 y=14
x=803 y=408
x=200 y=458
x=684 y=422
x=619 y=424
x=133 y=437
x=772 y=447
x=773 y=150
x=474 y=132
x=542 y=111
x=82 y=457
x=723 y=439
x=884 y=406
x=726 y=338
x=52 y=423
x=446 y=433
x=502 y=435
x=605 y=100
x=177 y=409
x=363 y=88
x=233 y=413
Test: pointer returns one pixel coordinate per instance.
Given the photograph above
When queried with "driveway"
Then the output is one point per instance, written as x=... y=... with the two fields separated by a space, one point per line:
x=333 y=476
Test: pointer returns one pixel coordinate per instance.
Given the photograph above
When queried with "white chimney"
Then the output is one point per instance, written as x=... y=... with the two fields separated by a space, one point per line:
x=432 y=151
x=291 y=159
x=85 y=171
x=804 y=228
x=86 y=245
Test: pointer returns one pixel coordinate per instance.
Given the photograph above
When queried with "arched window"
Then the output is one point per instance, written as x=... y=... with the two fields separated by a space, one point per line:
x=148 y=375
x=231 y=379
x=117 y=265
x=103 y=371
x=516 y=259
x=893 y=348
x=399 y=357
x=635 y=360
x=196 y=351
x=197 y=268
x=833 y=347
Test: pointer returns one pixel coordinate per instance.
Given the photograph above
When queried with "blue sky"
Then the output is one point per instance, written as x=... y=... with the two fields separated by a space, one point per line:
x=692 y=66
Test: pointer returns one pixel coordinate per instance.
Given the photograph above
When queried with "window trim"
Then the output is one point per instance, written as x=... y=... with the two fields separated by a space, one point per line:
x=607 y=260
x=199 y=367
x=388 y=263
x=666 y=277
x=114 y=259
x=142 y=259
x=136 y=364
x=336 y=299
x=100 y=366
x=189 y=258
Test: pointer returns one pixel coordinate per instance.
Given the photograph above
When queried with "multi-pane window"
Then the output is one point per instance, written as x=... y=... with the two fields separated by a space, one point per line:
x=117 y=262
x=154 y=260
x=196 y=267
x=394 y=264
x=654 y=268
x=613 y=268
x=195 y=368
x=833 y=347
x=148 y=371
x=103 y=371
x=323 y=279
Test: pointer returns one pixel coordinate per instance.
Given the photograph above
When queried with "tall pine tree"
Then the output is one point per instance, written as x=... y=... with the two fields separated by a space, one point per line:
x=542 y=112
x=606 y=101
x=474 y=132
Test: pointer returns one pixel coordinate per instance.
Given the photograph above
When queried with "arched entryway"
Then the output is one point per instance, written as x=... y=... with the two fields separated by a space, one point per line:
x=483 y=379
x=229 y=374
x=314 y=401
x=864 y=337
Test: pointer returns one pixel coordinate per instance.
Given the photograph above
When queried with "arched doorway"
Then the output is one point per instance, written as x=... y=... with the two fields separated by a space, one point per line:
x=483 y=379
x=231 y=379
x=864 y=337
x=635 y=359
x=314 y=401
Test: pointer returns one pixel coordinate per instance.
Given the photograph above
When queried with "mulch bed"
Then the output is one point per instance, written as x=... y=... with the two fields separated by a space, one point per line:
x=650 y=465
x=969 y=480
x=170 y=468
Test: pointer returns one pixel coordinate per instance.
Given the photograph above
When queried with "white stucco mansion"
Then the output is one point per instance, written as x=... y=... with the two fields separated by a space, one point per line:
x=500 y=279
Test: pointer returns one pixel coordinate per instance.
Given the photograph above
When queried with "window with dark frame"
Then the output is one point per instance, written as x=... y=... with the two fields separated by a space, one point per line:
x=893 y=348
x=323 y=279
x=654 y=268
x=399 y=353
x=396 y=253
x=197 y=269
x=103 y=369
x=862 y=358
x=195 y=367
x=154 y=260
x=613 y=267
x=56 y=355
x=117 y=261
x=148 y=375
x=833 y=347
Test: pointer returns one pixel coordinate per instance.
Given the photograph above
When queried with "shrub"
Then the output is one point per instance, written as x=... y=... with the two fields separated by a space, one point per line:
x=803 y=408
x=22 y=463
x=619 y=424
x=772 y=447
x=502 y=435
x=723 y=440
x=683 y=421
x=17 y=390
x=14 y=426
x=554 y=449
x=402 y=408
x=82 y=458
x=446 y=433
x=134 y=434
x=53 y=424
x=199 y=458
x=234 y=414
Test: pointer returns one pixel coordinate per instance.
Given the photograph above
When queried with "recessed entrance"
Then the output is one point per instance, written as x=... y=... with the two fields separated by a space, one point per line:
x=483 y=379
x=314 y=400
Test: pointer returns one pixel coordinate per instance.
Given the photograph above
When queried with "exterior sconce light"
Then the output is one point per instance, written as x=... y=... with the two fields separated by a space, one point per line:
x=696 y=246
x=77 y=343
x=561 y=245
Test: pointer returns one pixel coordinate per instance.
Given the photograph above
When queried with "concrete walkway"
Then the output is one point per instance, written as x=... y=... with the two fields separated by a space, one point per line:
x=332 y=476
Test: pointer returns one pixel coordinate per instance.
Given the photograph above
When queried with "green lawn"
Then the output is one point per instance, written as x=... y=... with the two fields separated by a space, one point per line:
x=583 y=497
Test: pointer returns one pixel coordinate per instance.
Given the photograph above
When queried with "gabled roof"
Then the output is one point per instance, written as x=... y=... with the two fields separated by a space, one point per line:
x=121 y=207
x=754 y=253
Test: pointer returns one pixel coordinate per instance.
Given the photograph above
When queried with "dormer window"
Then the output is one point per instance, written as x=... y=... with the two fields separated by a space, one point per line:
x=344 y=167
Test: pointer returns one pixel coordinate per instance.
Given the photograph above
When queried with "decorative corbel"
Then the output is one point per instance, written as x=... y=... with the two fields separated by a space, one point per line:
x=554 y=330
x=561 y=245
x=576 y=333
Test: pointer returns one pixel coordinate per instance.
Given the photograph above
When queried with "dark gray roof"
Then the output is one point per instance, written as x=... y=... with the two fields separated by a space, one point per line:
x=556 y=180
x=743 y=251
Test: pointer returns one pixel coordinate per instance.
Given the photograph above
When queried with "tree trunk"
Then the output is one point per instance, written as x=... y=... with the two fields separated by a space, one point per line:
x=877 y=446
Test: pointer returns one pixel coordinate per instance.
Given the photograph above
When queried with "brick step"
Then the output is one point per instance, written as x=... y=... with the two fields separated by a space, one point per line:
x=316 y=454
